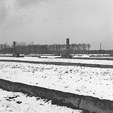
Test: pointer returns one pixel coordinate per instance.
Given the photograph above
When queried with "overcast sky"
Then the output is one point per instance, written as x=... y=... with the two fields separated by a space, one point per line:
x=52 y=21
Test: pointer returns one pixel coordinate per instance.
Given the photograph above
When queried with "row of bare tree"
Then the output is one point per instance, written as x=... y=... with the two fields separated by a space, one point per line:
x=23 y=48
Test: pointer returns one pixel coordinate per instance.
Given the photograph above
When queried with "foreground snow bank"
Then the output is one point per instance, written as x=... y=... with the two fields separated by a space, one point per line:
x=20 y=103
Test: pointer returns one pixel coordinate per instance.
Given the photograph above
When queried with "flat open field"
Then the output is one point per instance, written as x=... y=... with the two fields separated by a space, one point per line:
x=90 y=81
x=95 y=82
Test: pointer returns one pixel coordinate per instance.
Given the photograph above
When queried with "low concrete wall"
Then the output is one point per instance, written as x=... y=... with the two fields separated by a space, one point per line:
x=61 y=63
x=86 y=103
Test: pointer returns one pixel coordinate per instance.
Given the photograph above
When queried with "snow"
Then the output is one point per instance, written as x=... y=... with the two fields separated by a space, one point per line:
x=96 y=82
x=20 y=103
x=81 y=55
x=51 y=59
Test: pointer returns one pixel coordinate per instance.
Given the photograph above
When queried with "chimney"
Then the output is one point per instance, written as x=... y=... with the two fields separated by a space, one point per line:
x=14 y=48
x=67 y=46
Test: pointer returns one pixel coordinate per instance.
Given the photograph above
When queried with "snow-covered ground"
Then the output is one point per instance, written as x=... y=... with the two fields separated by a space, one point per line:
x=20 y=103
x=51 y=59
x=97 y=82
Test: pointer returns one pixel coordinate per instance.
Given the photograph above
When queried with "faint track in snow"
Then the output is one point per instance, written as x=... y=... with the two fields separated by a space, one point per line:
x=60 y=63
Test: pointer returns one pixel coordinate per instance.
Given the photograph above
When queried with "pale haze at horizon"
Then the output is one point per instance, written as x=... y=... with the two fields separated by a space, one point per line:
x=52 y=21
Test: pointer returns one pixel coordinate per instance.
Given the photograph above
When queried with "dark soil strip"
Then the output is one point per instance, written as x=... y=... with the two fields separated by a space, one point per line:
x=94 y=58
x=61 y=63
x=86 y=103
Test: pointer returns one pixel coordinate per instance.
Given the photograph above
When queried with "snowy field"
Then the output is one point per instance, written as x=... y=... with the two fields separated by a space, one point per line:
x=52 y=59
x=19 y=103
x=96 y=82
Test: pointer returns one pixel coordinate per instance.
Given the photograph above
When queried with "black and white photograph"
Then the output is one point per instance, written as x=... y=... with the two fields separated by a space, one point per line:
x=56 y=56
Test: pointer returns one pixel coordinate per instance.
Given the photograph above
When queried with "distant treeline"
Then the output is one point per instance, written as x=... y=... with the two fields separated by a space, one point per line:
x=23 y=48
x=56 y=49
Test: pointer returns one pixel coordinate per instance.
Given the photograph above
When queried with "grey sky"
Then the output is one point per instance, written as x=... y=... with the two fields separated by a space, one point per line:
x=52 y=21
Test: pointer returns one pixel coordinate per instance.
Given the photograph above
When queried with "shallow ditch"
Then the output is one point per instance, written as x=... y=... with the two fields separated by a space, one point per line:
x=86 y=103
